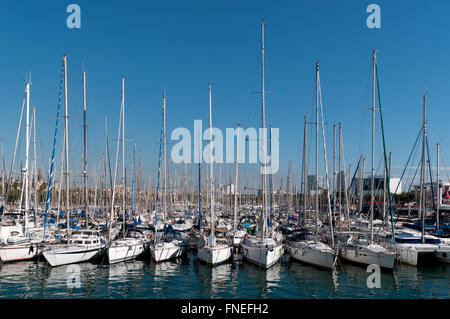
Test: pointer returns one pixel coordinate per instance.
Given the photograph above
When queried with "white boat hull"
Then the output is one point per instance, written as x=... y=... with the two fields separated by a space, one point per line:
x=313 y=255
x=367 y=256
x=261 y=255
x=71 y=255
x=124 y=250
x=11 y=253
x=412 y=254
x=166 y=251
x=214 y=255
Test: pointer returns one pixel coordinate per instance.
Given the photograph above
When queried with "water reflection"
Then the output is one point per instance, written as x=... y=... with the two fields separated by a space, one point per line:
x=214 y=281
x=189 y=278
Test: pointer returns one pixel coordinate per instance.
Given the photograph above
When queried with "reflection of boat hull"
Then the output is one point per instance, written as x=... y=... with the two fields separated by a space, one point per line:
x=368 y=255
x=124 y=250
x=316 y=254
x=261 y=255
x=71 y=255
x=166 y=251
x=11 y=253
x=214 y=255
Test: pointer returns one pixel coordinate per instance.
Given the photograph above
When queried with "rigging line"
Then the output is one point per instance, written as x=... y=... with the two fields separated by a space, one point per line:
x=406 y=167
x=408 y=181
x=14 y=158
x=326 y=164
x=385 y=156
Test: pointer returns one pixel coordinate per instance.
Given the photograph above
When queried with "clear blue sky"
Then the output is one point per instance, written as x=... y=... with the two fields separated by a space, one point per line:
x=183 y=45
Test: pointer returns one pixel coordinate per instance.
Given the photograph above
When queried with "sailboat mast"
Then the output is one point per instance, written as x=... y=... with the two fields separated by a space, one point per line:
x=305 y=177
x=66 y=130
x=27 y=147
x=123 y=156
x=133 y=181
x=438 y=190
x=422 y=169
x=236 y=181
x=213 y=232
x=199 y=182
x=86 y=198
x=334 y=171
x=317 y=150
x=35 y=166
x=372 y=187
x=263 y=177
x=165 y=157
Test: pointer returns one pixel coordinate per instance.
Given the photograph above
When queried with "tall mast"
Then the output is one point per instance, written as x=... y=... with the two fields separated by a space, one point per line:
x=438 y=188
x=27 y=90
x=263 y=181
x=334 y=170
x=35 y=165
x=86 y=198
x=165 y=157
x=213 y=231
x=66 y=125
x=3 y=178
x=133 y=181
x=422 y=169
x=236 y=182
x=317 y=150
x=361 y=182
x=199 y=182
x=305 y=177
x=123 y=155
x=372 y=187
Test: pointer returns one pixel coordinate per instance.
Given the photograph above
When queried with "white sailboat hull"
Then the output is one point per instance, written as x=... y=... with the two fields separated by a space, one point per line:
x=214 y=255
x=261 y=255
x=71 y=255
x=11 y=253
x=313 y=254
x=166 y=251
x=369 y=255
x=124 y=250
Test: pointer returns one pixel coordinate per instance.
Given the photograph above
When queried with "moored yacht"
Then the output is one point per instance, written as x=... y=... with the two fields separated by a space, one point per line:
x=82 y=246
x=360 y=250
x=304 y=248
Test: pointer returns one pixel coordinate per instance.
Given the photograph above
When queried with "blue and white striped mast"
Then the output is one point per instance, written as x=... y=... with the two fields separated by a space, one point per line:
x=50 y=183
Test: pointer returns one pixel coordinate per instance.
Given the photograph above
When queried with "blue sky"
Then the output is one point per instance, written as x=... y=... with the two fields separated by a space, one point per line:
x=181 y=46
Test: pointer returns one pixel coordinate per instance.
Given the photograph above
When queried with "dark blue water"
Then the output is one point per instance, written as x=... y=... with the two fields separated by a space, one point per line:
x=189 y=278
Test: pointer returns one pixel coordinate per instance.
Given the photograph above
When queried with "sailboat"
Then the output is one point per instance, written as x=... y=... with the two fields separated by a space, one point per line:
x=15 y=245
x=125 y=248
x=413 y=247
x=214 y=251
x=306 y=247
x=263 y=251
x=165 y=247
x=357 y=248
x=80 y=246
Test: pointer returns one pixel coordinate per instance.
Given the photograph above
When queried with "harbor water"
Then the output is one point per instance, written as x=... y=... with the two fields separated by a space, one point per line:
x=188 y=278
